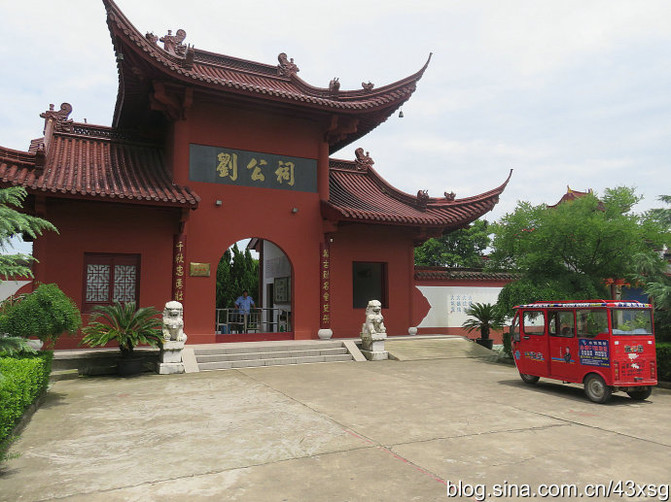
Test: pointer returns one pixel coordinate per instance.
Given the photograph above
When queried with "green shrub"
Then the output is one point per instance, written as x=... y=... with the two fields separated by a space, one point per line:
x=507 y=346
x=22 y=380
x=46 y=313
x=664 y=362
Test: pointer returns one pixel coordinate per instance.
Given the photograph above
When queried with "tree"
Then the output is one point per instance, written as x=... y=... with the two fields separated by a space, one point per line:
x=12 y=223
x=570 y=251
x=461 y=248
x=46 y=313
x=485 y=318
x=237 y=271
x=652 y=273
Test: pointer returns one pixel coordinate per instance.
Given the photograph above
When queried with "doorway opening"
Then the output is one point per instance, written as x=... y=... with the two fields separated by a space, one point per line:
x=254 y=293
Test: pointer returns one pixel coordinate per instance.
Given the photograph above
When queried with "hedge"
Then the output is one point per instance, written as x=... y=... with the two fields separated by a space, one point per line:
x=22 y=381
x=664 y=362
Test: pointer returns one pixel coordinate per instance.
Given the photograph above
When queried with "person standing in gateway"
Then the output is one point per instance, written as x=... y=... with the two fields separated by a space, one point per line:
x=244 y=303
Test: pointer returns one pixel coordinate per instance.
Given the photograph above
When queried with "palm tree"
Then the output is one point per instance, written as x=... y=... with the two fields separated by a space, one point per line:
x=124 y=324
x=486 y=317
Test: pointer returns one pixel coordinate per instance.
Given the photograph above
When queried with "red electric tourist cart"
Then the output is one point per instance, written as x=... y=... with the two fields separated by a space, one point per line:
x=607 y=345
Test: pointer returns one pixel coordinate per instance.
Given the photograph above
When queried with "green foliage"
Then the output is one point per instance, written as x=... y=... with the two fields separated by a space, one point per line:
x=13 y=222
x=461 y=248
x=528 y=290
x=46 y=313
x=662 y=215
x=22 y=380
x=237 y=271
x=664 y=362
x=507 y=345
x=652 y=273
x=14 y=346
x=486 y=317
x=124 y=324
x=569 y=252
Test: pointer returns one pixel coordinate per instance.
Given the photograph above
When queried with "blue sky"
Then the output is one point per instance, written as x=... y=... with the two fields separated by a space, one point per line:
x=564 y=92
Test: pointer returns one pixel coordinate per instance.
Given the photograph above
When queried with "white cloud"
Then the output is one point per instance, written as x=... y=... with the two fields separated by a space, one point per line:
x=566 y=92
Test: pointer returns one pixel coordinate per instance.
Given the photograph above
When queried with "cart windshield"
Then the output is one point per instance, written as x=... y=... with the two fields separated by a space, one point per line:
x=631 y=322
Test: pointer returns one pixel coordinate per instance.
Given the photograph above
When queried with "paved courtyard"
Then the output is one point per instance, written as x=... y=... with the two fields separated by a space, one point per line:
x=375 y=431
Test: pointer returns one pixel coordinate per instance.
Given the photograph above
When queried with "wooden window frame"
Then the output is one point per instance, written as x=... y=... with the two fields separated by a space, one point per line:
x=111 y=259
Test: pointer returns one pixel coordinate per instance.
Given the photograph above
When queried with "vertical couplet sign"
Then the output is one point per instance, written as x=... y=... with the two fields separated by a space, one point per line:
x=178 y=268
x=325 y=286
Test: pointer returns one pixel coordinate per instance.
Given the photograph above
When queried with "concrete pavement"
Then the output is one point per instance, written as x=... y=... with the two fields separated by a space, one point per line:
x=387 y=431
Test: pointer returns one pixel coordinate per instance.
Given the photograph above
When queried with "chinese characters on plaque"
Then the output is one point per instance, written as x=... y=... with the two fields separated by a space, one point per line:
x=178 y=269
x=211 y=164
x=325 y=286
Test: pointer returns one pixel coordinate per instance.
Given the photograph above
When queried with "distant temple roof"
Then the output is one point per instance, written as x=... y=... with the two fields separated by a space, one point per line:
x=350 y=114
x=358 y=193
x=85 y=161
x=575 y=194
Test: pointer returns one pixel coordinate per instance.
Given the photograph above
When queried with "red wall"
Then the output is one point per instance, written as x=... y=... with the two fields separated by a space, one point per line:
x=245 y=212
x=250 y=212
x=371 y=244
x=101 y=227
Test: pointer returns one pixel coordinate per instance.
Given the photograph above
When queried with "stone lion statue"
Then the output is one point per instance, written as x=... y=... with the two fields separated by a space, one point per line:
x=374 y=320
x=173 y=322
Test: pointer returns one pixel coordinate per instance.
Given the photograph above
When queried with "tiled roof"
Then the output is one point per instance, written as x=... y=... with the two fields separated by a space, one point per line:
x=367 y=107
x=91 y=163
x=360 y=194
x=471 y=274
x=572 y=195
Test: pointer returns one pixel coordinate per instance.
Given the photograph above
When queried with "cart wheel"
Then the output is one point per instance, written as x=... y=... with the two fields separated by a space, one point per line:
x=596 y=389
x=529 y=378
x=640 y=394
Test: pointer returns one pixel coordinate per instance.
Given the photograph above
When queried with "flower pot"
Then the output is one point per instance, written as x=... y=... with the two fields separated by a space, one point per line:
x=487 y=343
x=325 y=334
x=129 y=366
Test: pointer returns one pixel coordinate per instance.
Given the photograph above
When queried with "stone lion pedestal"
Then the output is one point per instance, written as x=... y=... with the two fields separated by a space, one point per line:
x=170 y=359
x=374 y=333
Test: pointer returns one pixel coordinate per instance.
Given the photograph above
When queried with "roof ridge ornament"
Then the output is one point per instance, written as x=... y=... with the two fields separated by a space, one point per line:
x=60 y=117
x=450 y=196
x=422 y=199
x=172 y=44
x=287 y=67
x=363 y=160
x=334 y=85
x=368 y=87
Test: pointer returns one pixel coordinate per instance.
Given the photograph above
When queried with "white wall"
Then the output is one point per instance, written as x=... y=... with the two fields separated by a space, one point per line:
x=275 y=264
x=448 y=303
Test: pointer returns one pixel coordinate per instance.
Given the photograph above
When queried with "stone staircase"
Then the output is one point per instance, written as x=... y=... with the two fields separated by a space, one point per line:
x=247 y=355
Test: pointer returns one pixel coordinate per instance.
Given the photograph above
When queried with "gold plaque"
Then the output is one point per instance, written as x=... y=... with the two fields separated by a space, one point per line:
x=199 y=269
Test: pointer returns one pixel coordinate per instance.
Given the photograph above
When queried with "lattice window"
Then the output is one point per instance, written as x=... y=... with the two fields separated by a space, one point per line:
x=124 y=283
x=97 y=283
x=110 y=278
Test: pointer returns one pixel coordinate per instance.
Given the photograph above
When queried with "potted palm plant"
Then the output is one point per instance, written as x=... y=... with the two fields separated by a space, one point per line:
x=485 y=317
x=126 y=325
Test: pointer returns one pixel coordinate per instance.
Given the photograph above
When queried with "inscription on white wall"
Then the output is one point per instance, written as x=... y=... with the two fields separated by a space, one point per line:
x=449 y=304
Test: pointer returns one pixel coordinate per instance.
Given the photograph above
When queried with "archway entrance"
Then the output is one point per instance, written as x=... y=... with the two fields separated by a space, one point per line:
x=254 y=293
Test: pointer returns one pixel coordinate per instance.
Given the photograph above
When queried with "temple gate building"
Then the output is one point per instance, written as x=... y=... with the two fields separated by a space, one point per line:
x=205 y=150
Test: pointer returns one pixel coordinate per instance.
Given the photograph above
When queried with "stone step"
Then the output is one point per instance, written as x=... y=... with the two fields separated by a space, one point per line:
x=250 y=363
x=210 y=357
x=69 y=374
x=252 y=347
